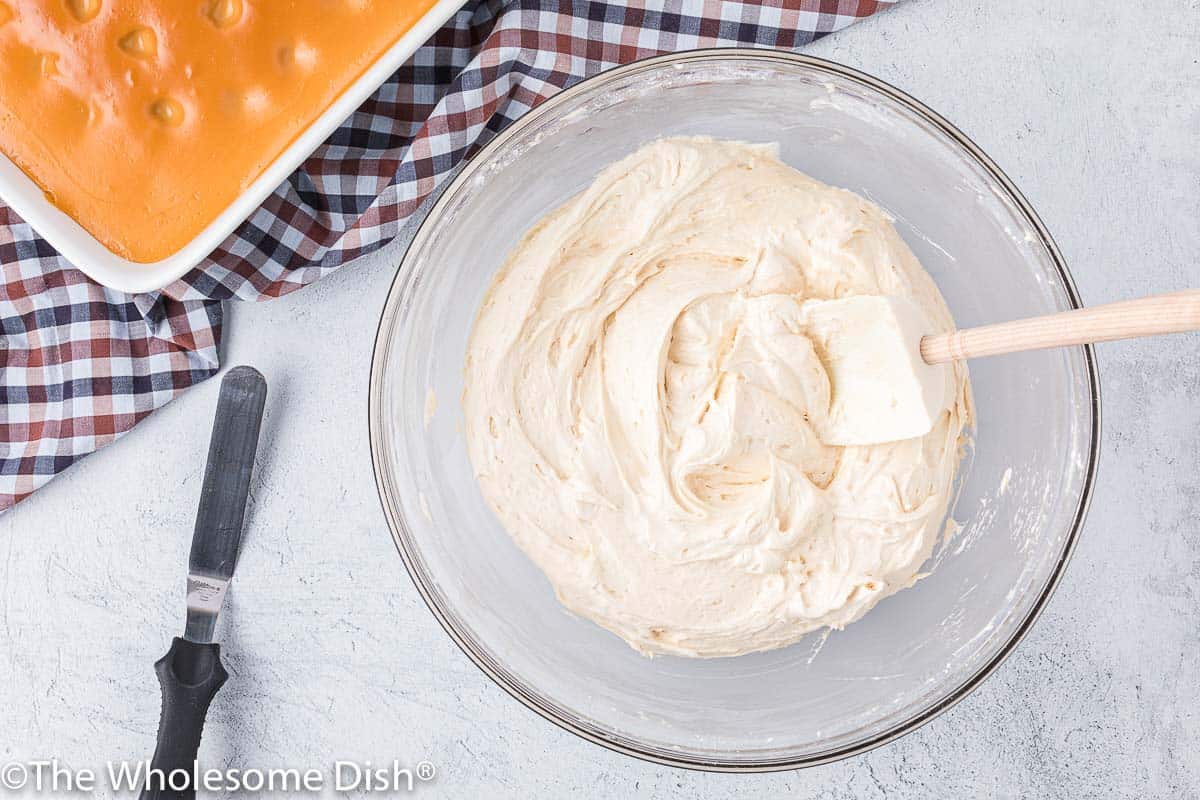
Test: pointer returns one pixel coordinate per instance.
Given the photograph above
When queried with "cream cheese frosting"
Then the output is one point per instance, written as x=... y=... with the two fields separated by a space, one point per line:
x=647 y=392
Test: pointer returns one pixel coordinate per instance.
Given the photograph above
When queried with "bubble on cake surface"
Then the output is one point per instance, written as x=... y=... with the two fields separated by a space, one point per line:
x=256 y=99
x=224 y=13
x=48 y=64
x=297 y=55
x=83 y=10
x=139 y=43
x=168 y=111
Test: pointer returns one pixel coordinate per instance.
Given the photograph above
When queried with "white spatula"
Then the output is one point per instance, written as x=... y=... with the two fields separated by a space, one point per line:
x=884 y=364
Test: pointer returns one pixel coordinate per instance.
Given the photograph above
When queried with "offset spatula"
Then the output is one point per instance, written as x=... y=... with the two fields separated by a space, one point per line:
x=191 y=673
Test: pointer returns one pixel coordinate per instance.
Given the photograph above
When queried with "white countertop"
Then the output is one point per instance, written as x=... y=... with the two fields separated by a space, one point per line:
x=1093 y=108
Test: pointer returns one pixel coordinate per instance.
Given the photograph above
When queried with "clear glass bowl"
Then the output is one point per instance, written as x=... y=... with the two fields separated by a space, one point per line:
x=1024 y=489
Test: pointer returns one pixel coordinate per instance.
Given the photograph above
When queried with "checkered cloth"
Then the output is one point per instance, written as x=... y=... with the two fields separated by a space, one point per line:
x=81 y=364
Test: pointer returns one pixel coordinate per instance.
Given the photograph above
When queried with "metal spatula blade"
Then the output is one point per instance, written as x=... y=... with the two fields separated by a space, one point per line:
x=218 y=532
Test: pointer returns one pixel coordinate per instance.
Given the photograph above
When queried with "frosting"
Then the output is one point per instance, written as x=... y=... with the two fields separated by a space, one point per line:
x=646 y=399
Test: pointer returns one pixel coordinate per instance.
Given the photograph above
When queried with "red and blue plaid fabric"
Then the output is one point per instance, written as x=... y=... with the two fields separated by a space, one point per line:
x=81 y=364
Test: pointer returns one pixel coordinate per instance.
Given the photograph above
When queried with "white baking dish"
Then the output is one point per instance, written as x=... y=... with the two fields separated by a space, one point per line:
x=102 y=265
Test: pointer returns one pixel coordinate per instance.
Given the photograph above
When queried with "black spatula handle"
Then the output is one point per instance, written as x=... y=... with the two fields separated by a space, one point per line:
x=190 y=675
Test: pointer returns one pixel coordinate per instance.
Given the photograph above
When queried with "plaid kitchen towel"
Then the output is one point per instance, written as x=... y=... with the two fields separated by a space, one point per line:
x=81 y=364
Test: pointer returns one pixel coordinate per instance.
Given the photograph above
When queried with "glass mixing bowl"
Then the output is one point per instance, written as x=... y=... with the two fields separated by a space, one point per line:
x=1023 y=492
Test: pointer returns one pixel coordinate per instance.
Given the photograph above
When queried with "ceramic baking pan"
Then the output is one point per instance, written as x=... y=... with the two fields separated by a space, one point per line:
x=101 y=264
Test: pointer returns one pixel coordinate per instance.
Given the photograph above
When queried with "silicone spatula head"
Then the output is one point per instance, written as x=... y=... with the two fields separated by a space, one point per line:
x=881 y=389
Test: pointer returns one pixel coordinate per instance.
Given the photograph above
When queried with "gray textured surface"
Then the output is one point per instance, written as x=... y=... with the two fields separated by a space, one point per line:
x=1093 y=108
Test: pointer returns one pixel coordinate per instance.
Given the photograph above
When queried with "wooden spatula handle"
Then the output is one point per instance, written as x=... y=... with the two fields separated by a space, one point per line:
x=1174 y=312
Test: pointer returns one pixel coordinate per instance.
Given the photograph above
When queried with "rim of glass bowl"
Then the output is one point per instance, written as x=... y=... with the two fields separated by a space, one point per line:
x=394 y=308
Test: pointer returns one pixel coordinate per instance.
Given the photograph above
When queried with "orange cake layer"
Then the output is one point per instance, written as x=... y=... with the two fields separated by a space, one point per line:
x=144 y=119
